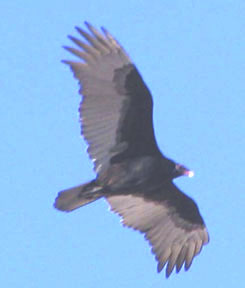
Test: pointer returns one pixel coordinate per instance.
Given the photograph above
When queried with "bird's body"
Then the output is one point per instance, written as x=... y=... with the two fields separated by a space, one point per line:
x=131 y=172
x=138 y=172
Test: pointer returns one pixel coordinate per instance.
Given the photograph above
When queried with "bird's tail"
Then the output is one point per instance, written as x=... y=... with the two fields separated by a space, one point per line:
x=73 y=198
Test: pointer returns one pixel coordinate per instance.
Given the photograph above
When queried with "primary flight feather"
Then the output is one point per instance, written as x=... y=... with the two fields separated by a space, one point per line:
x=132 y=174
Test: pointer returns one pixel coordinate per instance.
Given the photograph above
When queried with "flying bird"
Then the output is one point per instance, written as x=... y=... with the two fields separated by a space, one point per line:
x=132 y=174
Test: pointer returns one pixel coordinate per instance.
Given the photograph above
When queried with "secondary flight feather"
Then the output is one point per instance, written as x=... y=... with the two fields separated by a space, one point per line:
x=132 y=174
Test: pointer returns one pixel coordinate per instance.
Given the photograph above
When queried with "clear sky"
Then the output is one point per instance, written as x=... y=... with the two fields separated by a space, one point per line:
x=191 y=54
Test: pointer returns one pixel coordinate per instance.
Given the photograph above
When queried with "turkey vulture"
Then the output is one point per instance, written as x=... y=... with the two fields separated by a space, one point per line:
x=132 y=174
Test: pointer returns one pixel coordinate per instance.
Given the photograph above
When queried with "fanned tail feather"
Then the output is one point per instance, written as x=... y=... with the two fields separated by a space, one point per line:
x=73 y=198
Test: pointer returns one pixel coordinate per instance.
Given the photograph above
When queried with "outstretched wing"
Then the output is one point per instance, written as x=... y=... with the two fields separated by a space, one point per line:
x=170 y=221
x=116 y=110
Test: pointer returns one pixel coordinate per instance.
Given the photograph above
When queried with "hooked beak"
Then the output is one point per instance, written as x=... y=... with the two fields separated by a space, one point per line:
x=182 y=170
x=189 y=173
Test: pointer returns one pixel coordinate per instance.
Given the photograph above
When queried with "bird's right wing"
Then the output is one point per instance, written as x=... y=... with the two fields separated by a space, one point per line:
x=116 y=110
x=176 y=234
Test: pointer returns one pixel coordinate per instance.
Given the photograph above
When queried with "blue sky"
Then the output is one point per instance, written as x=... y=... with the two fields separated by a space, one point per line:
x=191 y=55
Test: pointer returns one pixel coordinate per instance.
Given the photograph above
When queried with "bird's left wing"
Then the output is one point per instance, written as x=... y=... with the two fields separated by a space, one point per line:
x=175 y=231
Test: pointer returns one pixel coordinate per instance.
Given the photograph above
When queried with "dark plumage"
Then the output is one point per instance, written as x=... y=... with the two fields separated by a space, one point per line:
x=131 y=172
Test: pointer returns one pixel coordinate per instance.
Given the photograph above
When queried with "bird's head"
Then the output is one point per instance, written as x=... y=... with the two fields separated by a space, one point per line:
x=181 y=170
